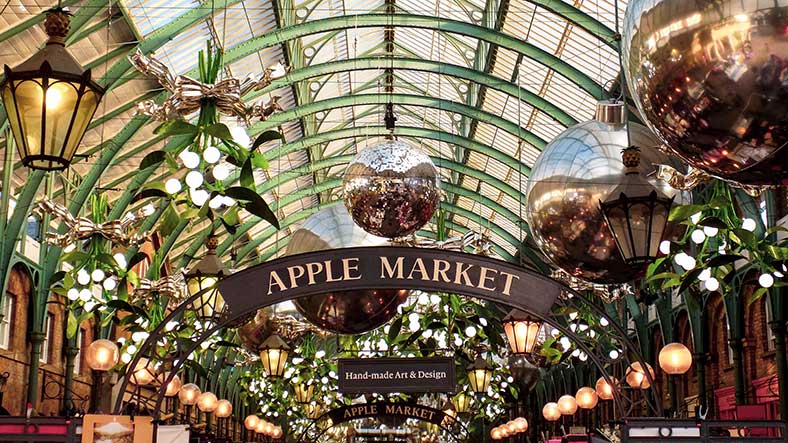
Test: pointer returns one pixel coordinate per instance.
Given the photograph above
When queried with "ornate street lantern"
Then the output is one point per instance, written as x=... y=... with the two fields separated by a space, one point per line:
x=462 y=402
x=303 y=392
x=273 y=355
x=206 y=274
x=675 y=359
x=636 y=213
x=50 y=100
x=102 y=355
x=479 y=374
x=521 y=331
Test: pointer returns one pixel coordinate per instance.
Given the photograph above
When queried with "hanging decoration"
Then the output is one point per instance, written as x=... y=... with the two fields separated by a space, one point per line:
x=172 y=286
x=391 y=189
x=81 y=228
x=211 y=165
x=580 y=167
x=188 y=94
x=720 y=110
x=471 y=240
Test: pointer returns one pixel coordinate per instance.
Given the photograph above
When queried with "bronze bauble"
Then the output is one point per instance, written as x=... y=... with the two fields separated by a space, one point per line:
x=391 y=189
x=347 y=312
x=254 y=332
x=709 y=78
x=525 y=374
x=580 y=167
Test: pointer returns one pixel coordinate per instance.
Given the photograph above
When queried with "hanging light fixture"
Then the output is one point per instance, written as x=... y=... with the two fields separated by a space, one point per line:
x=143 y=373
x=303 y=392
x=675 y=359
x=521 y=330
x=273 y=355
x=636 y=213
x=102 y=355
x=479 y=374
x=206 y=274
x=462 y=402
x=50 y=100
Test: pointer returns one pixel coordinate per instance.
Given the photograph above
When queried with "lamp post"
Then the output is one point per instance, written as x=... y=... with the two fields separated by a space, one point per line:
x=188 y=397
x=636 y=213
x=50 y=100
x=223 y=411
x=100 y=356
x=273 y=355
x=171 y=391
x=204 y=275
x=675 y=359
x=479 y=374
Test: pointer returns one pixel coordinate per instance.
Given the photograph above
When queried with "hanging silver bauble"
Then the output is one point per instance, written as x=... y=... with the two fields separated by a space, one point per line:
x=576 y=170
x=709 y=78
x=345 y=312
x=391 y=189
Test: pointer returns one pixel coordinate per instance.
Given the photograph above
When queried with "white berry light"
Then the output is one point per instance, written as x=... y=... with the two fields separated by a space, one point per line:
x=193 y=179
x=711 y=284
x=698 y=236
x=664 y=247
x=199 y=196
x=97 y=275
x=221 y=171
x=710 y=231
x=190 y=159
x=766 y=280
x=748 y=224
x=211 y=154
x=172 y=186
x=704 y=274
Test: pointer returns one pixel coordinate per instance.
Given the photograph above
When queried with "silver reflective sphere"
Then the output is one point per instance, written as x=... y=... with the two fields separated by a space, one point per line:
x=580 y=167
x=710 y=78
x=348 y=312
x=391 y=189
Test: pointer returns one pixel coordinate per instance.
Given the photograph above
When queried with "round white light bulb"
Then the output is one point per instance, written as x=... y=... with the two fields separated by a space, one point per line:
x=228 y=201
x=704 y=274
x=698 y=236
x=83 y=278
x=190 y=159
x=221 y=171
x=120 y=259
x=748 y=224
x=73 y=294
x=766 y=280
x=710 y=231
x=216 y=202
x=199 y=196
x=85 y=295
x=711 y=284
x=194 y=179
x=664 y=247
x=470 y=331
x=695 y=218
x=211 y=154
x=110 y=284
x=97 y=275
x=172 y=186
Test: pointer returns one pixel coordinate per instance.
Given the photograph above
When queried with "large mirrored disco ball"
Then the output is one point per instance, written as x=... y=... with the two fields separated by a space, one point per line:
x=391 y=189
x=710 y=78
x=346 y=312
x=580 y=167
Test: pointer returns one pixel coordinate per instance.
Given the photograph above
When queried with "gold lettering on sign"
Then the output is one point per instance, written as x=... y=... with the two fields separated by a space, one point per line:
x=329 y=275
x=441 y=268
x=291 y=270
x=507 y=286
x=386 y=268
x=462 y=274
x=418 y=265
x=483 y=277
x=346 y=267
x=312 y=269
x=274 y=279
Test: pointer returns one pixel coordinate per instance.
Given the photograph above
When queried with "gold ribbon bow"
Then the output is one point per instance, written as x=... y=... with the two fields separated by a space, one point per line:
x=677 y=180
x=80 y=228
x=170 y=286
x=188 y=93
x=472 y=239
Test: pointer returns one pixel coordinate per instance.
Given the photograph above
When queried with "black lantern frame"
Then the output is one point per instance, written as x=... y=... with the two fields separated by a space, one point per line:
x=479 y=375
x=522 y=331
x=636 y=214
x=50 y=100
x=273 y=355
x=203 y=279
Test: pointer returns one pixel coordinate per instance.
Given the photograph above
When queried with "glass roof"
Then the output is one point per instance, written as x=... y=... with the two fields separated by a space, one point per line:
x=482 y=85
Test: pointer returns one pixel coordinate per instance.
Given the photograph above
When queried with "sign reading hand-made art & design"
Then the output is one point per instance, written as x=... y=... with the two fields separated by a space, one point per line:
x=386 y=375
x=392 y=267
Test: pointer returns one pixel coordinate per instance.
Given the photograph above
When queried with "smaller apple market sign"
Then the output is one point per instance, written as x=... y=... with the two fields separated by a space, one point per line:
x=387 y=375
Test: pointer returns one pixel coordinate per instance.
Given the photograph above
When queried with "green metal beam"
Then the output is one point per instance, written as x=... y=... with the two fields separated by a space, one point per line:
x=539 y=55
x=87 y=12
x=582 y=20
x=413 y=64
x=399 y=99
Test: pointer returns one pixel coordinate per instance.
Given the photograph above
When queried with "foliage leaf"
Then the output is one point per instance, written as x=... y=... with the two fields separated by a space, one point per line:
x=152 y=159
x=169 y=220
x=219 y=130
x=713 y=222
x=137 y=258
x=394 y=329
x=265 y=137
x=71 y=325
x=259 y=161
x=247 y=177
x=56 y=278
x=722 y=260
x=684 y=212
x=152 y=190
x=757 y=294
x=261 y=209
x=231 y=228
x=689 y=278
x=176 y=127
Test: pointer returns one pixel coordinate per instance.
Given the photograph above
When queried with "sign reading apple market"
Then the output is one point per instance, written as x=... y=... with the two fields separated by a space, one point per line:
x=391 y=267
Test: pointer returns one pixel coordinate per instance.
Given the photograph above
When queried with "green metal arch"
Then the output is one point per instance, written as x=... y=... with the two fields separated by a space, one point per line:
x=414 y=64
x=400 y=99
x=547 y=59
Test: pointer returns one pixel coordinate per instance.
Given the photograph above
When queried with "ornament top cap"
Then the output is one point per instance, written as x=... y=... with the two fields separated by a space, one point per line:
x=610 y=112
x=212 y=243
x=56 y=25
x=631 y=159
